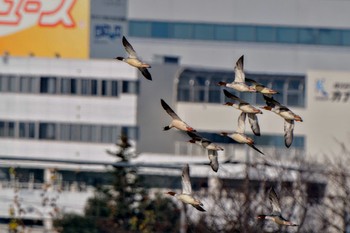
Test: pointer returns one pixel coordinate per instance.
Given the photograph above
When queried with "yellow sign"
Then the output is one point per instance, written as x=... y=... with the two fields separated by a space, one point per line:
x=45 y=28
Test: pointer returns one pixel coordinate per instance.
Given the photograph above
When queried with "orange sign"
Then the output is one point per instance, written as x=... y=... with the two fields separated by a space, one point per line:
x=45 y=28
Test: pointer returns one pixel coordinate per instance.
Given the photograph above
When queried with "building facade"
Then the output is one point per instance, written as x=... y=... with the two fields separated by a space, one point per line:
x=74 y=109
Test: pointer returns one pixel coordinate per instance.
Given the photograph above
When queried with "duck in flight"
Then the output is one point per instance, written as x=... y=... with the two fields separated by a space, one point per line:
x=211 y=147
x=186 y=195
x=239 y=135
x=246 y=108
x=288 y=116
x=239 y=81
x=276 y=214
x=261 y=88
x=134 y=60
x=176 y=120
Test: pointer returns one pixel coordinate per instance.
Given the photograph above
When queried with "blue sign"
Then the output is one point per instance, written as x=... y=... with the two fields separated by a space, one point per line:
x=107 y=31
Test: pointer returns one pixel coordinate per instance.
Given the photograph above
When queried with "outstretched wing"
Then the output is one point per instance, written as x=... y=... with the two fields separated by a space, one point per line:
x=288 y=132
x=213 y=158
x=254 y=123
x=185 y=180
x=146 y=73
x=270 y=101
x=276 y=208
x=253 y=81
x=255 y=148
x=241 y=123
x=239 y=72
x=196 y=137
x=129 y=49
x=234 y=97
x=169 y=110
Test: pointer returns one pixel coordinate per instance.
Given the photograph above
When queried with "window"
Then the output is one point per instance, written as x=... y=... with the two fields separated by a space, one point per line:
x=329 y=37
x=11 y=83
x=109 y=134
x=224 y=32
x=295 y=92
x=171 y=59
x=47 y=131
x=200 y=89
x=141 y=29
x=26 y=130
x=86 y=133
x=115 y=90
x=307 y=36
x=8 y=83
x=346 y=37
x=182 y=31
x=7 y=129
x=214 y=91
x=68 y=86
x=64 y=132
x=130 y=87
x=266 y=34
x=89 y=133
x=2 y=129
x=88 y=87
x=28 y=84
x=245 y=33
x=287 y=35
x=130 y=131
x=201 y=86
x=204 y=32
x=160 y=30
x=184 y=86
x=48 y=85
x=105 y=88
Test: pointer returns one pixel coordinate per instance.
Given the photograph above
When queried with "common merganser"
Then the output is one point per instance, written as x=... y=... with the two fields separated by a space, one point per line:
x=288 y=116
x=176 y=122
x=211 y=147
x=186 y=195
x=276 y=214
x=134 y=60
x=261 y=88
x=239 y=135
x=247 y=108
x=239 y=81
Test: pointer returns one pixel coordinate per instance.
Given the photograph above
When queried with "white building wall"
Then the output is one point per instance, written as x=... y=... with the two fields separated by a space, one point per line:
x=290 y=12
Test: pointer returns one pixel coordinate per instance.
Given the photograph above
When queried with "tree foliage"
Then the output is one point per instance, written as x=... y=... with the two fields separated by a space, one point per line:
x=125 y=206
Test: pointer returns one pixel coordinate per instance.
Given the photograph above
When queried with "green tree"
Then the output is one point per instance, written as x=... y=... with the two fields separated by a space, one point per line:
x=125 y=206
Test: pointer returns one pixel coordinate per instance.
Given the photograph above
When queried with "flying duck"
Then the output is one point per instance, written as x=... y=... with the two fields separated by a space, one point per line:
x=211 y=147
x=239 y=135
x=133 y=59
x=288 y=116
x=276 y=214
x=239 y=82
x=176 y=122
x=246 y=108
x=261 y=88
x=186 y=195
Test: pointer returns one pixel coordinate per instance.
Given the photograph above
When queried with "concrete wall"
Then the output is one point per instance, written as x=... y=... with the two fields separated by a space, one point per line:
x=151 y=117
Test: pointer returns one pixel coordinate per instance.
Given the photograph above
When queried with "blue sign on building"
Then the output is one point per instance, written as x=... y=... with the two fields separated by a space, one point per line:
x=107 y=31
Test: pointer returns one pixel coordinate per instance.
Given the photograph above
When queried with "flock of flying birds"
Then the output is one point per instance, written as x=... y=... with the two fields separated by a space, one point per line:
x=239 y=84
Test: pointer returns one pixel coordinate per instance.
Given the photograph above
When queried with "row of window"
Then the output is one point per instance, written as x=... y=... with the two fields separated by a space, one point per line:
x=65 y=131
x=201 y=86
x=240 y=32
x=66 y=86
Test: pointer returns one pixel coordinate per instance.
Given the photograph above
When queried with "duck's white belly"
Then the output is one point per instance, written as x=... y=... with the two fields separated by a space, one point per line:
x=179 y=125
x=186 y=199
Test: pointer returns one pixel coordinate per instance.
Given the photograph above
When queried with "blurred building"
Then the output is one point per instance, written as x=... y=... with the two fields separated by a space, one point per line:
x=69 y=100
